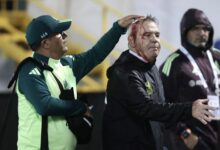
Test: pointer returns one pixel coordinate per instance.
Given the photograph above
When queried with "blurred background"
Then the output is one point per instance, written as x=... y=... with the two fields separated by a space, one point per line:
x=91 y=19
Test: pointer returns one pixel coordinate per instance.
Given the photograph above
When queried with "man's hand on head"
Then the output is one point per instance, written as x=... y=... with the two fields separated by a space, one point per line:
x=126 y=21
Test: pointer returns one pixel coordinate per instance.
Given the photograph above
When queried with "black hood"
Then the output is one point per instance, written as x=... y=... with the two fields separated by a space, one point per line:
x=128 y=61
x=191 y=18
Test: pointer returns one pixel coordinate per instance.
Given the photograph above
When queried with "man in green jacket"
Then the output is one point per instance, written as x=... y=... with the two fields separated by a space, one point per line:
x=37 y=89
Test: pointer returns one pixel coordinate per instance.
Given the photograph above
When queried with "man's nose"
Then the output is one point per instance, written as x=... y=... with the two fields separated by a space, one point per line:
x=154 y=38
x=202 y=31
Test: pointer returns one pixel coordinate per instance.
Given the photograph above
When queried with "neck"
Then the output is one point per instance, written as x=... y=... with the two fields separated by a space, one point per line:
x=138 y=56
x=48 y=53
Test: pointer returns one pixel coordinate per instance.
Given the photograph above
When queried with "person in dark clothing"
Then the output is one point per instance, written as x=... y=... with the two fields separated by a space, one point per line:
x=192 y=72
x=135 y=110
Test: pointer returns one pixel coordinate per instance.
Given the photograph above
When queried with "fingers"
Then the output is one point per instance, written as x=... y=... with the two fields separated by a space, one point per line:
x=207 y=118
x=135 y=19
x=204 y=101
x=203 y=121
x=200 y=111
x=210 y=107
x=209 y=114
x=128 y=20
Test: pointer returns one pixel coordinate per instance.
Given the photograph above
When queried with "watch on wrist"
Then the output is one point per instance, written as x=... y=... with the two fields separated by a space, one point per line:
x=185 y=133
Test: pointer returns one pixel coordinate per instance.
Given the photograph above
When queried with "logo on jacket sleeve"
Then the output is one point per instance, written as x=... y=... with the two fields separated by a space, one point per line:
x=35 y=71
x=149 y=89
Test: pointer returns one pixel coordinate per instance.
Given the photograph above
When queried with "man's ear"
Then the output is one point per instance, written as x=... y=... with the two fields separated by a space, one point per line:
x=131 y=41
x=45 y=43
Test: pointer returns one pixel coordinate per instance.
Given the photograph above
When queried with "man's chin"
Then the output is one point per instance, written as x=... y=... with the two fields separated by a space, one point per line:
x=65 y=49
x=201 y=45
x=153 y=59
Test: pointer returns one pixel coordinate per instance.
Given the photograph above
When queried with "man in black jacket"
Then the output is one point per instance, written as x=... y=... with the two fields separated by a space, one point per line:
x=135 y=107
x=192 y=72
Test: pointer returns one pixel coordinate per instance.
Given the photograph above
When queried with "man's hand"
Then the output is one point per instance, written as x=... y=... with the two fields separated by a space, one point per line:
x=200 y=111
x=125 y=22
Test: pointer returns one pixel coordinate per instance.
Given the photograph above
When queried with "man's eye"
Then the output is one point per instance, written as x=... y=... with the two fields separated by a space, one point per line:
x=146 y=35
x=157 y=35
x=206 y=28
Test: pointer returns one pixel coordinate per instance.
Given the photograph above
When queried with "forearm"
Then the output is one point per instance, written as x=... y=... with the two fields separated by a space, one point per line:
x=85 y=62
x=56 y=107
x=108 y=41
x=48 y=105
x=36 y=92
x=151 y=106
x=171 y=113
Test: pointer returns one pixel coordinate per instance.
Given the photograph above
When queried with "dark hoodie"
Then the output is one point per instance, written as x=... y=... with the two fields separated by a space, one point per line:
x=181 y=84
x=191 y=18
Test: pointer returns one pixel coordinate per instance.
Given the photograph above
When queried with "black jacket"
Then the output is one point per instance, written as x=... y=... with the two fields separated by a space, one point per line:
x=182 y=84
x=135 y=106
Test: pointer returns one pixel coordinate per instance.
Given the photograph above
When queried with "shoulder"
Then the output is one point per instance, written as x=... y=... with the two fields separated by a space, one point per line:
x=29 y=74
x=172 y=61
x=122 y=73
x=117 y=71
x=30 y=68
x=68 y=60
x=173 y=57
x=216 y=53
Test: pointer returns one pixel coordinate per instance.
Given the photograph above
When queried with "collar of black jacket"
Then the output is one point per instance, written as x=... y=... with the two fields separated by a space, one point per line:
x=126 y=57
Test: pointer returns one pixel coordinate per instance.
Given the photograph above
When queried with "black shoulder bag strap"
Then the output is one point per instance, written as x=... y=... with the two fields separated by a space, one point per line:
x=44 y=133
x=44 y=129
x=58 y=82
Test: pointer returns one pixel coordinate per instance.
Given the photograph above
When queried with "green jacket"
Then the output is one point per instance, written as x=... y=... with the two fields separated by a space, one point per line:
x=38 y=94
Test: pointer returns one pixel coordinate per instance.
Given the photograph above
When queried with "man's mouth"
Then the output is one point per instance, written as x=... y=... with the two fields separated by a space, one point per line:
x=154 y=48
x=202 y=40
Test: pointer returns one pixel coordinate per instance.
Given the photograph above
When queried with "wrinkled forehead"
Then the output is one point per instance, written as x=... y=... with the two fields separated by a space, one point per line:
x=143 y=26
x=150 y=26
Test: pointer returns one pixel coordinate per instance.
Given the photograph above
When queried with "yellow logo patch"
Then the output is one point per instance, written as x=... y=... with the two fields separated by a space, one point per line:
x=149 y=89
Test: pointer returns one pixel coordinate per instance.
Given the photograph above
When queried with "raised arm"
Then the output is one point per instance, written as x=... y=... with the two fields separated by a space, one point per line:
x=85 y=62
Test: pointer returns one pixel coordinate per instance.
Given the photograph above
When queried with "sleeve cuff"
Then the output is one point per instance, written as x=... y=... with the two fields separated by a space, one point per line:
x=120 y=29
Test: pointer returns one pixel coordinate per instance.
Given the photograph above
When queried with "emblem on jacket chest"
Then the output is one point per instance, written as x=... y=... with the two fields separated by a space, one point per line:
x=149 y=89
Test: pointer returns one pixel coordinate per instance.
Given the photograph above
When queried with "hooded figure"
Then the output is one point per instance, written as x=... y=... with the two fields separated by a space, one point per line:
x=191 y=18
x=182 y=81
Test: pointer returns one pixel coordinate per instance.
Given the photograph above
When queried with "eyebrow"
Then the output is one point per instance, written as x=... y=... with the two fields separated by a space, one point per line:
x=156 y=32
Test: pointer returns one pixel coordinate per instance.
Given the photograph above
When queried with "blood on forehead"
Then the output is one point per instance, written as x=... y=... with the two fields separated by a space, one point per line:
x=135 y=27
x=138 y=26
